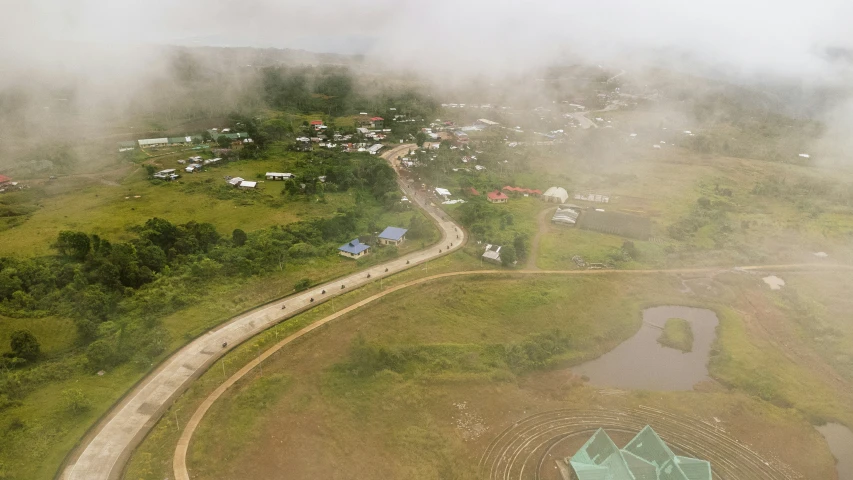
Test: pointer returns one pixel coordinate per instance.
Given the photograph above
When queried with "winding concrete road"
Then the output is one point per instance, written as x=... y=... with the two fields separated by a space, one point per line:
x=105 y=451
x=179 y=460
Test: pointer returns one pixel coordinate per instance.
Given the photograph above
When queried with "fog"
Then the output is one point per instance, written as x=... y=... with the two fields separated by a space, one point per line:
x=107 y=55
x=750 y=37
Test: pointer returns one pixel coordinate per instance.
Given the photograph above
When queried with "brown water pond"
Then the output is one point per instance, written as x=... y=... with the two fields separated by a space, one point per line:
x=840 y=440
x=642 y=363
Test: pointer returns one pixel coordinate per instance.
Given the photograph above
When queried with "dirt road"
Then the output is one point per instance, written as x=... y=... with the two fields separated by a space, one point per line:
x=180 y=458
x=542 y=224
x=104 y=452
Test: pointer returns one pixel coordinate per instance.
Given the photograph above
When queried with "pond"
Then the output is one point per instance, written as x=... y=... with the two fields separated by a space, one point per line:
x=840 y=440
x=642 y=363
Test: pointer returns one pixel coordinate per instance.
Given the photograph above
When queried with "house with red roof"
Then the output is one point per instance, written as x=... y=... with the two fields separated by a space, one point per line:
x=523 y=191
x=473 y=191
x=497 y=197
x=377 y=122
x=4 y=180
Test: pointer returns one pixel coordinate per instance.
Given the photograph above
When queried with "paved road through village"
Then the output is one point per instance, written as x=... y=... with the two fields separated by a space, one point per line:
x=104 y=452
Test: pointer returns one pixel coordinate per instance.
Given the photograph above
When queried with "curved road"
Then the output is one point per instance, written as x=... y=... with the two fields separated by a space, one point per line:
x=179 y=461
x=109 y=446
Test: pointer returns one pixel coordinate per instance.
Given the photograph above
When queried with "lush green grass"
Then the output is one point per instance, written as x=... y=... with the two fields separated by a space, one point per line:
x=41 y=418
x=447 y=333
x=677 y=334
x=55 y=334
x=152 y=460
x=752 y=364
x=559 y=244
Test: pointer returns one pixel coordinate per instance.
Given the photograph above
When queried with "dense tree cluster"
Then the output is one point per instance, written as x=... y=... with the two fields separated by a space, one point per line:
x=117 y=291
x=332 y=90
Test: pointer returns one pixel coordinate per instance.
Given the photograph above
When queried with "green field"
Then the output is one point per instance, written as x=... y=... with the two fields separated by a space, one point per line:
x=390 y=375
x=110 y=206
x=41 y=422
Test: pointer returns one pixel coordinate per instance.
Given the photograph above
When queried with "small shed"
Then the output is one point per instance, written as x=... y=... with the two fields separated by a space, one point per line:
x=167 y=174
x=392 y=236
x=235 y=182
x=278 y=176
x=247 y=184
x=354 y=249
x=492 y=253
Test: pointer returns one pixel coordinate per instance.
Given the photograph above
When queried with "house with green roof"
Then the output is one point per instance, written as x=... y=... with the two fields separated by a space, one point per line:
x=646 y=457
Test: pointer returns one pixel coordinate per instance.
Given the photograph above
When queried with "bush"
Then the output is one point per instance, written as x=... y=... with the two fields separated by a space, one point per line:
x=74 y=401
x=100 y=355
x=302 y=285
x=25 y=345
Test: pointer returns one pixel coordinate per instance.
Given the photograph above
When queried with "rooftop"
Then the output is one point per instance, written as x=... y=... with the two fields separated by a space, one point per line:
x=646 y=457
x=393 y=233
x=496 y=195
x=355 y=247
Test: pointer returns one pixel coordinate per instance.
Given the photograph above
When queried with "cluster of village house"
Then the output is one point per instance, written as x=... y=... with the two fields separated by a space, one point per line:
x=6 y=184
x=370 y=128
x=357 y=248
x=557 y=195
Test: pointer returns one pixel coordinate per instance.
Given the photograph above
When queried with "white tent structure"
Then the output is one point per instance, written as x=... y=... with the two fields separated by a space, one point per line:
x=556 y=195
x=565 y=215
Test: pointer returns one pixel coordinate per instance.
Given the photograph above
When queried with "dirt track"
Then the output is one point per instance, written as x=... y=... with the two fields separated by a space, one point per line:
x=525 y=450
x=542 y=224
x=104 y=451
x=180 y=461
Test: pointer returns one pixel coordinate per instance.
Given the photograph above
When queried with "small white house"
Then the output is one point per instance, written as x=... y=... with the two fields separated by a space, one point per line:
x=278 y=176
x=247 y=184
x=235 y=182
x=492 y=253
x=168 y=174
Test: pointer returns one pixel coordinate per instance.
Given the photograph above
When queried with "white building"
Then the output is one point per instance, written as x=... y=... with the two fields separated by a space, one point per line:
x=153 y=142
x=555 y=195
x=278 y=176
x=492 y=253
x=566 y=215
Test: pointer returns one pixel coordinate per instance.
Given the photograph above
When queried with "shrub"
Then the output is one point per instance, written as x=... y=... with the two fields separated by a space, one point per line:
x=74 y=401
x=302 y=285
x=25 y=345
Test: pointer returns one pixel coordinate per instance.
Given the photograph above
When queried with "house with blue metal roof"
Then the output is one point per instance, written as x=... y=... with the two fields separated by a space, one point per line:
x=392 y=236
x=646 y=457
x=354 y=249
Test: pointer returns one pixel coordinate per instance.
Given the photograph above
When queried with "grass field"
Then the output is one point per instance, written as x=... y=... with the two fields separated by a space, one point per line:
x=41 y=428
x=109 y=205
x=436 y=413
x=677 y=334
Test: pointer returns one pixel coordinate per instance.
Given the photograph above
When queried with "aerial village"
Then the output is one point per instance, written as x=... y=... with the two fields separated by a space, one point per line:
x=462 y=141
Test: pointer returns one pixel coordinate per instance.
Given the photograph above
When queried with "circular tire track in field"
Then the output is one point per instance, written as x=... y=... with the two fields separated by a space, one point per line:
x=522 y=451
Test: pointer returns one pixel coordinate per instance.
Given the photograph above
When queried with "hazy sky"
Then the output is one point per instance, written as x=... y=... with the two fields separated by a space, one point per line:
x=775 y=36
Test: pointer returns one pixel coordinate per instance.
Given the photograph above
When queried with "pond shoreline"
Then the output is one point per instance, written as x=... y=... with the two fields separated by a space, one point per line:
x=641 y=363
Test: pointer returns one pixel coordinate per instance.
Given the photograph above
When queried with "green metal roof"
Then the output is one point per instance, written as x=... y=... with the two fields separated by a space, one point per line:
x=646 y=457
